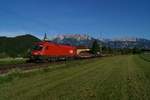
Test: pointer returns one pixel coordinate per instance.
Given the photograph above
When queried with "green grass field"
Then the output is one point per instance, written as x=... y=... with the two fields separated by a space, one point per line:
x=145 y=56
x=112 y=78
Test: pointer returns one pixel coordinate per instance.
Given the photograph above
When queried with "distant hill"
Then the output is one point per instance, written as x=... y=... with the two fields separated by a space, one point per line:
x=128 y=43
x=16 y=46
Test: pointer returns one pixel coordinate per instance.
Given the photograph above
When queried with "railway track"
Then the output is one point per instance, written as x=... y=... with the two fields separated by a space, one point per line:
x=25 y=66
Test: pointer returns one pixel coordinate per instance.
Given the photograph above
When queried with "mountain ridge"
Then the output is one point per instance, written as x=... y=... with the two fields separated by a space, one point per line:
x=127 y=42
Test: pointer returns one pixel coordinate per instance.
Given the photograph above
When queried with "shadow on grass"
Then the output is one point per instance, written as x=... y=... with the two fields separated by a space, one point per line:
x=144 y=58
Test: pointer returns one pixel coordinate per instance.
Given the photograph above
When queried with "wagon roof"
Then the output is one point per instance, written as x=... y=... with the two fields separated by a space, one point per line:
x=82 y=47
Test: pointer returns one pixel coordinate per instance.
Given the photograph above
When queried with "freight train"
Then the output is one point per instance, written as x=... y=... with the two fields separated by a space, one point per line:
x=50 y=51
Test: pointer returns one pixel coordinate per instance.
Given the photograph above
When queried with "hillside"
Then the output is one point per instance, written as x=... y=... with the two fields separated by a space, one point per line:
x=16 y=46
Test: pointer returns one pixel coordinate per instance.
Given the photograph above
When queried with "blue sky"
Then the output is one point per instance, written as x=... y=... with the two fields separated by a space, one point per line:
x=106 y=18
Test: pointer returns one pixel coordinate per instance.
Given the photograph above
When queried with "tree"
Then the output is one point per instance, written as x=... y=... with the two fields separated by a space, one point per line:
x=95 y=47
x=136 y=50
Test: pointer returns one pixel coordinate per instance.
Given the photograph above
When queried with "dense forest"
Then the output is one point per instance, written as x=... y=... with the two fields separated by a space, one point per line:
x=16 y=46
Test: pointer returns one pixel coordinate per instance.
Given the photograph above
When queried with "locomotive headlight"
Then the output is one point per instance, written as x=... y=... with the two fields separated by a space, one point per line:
x=71 y=51
x=36 y=53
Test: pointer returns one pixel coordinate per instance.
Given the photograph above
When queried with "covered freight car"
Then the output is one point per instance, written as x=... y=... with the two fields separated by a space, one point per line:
x=50 y=51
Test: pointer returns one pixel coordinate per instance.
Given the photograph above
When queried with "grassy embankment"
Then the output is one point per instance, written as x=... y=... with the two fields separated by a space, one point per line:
x=113 y=78
x=4 y=61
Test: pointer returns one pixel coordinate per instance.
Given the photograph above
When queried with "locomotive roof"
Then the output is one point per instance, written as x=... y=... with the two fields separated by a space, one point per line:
x=52 y=43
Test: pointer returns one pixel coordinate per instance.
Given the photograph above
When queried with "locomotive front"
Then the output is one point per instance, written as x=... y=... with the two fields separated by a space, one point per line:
x=49 y=51
x=37 y=52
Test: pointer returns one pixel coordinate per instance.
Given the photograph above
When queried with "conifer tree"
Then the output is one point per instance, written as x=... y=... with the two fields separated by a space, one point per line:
x=95 y=47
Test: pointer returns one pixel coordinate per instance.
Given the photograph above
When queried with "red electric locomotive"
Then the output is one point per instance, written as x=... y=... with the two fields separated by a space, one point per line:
x=50 y=51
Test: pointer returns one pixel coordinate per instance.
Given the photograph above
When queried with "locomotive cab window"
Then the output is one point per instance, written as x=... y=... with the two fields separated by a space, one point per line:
x=37 y=47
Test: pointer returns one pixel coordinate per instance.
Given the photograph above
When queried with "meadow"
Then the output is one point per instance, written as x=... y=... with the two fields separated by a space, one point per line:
x=123 y=77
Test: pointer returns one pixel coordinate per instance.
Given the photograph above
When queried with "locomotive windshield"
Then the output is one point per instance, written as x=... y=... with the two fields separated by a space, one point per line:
x=37 y=47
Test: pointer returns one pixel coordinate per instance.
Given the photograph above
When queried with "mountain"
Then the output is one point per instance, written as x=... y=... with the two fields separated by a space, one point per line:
x=16 y=46
x=85 y=40
x=128 y=43
x=75 y=40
